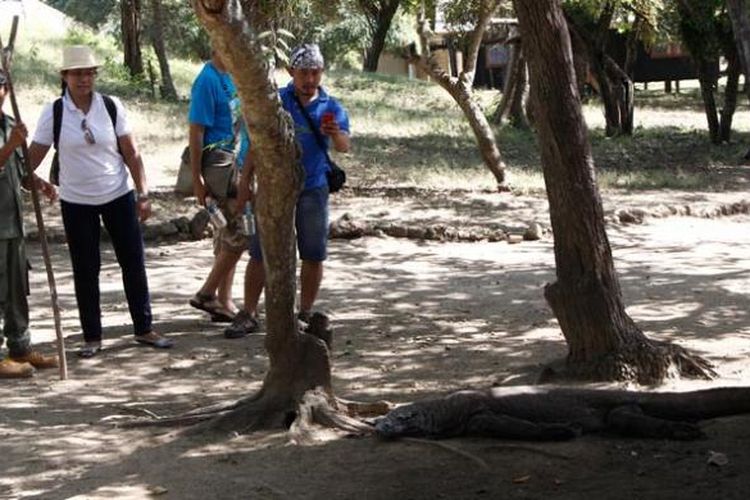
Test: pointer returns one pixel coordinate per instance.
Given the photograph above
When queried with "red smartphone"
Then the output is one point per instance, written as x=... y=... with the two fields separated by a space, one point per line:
x=328 y=117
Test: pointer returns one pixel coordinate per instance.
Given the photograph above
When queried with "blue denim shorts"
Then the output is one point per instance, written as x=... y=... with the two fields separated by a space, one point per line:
x=311 y=223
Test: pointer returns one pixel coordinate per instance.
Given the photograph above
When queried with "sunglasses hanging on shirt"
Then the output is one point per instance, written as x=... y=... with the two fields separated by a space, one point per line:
x=87 y=133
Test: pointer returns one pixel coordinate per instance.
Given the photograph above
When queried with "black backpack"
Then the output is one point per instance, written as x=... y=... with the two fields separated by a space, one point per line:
x=57 y=110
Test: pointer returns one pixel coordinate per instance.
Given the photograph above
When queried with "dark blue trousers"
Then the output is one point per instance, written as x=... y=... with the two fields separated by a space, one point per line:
x=82 y=228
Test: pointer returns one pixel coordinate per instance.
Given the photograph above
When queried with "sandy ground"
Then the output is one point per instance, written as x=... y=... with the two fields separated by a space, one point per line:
x=411 y=319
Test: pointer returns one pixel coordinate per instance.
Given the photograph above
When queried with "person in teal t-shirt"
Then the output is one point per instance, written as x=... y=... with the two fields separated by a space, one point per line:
x=218 y=145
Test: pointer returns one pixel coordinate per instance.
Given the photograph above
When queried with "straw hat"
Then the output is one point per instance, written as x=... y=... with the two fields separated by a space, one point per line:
x=78 y=56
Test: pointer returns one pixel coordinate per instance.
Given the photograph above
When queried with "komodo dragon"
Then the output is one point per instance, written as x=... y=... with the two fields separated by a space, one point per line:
x=553 y=414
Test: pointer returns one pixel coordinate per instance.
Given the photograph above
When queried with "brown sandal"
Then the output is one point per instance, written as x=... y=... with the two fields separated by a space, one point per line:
x=209 y=304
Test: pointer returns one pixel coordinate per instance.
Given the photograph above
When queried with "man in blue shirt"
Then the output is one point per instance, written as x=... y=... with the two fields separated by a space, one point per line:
x=217 y=150
x=306 y=67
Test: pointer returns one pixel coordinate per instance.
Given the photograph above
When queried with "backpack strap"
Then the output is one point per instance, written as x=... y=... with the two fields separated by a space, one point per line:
x=112 y=112
x=314 y=128
x=57 y=109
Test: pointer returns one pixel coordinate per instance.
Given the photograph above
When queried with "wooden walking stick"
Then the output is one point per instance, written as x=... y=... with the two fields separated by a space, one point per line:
x=6 y=57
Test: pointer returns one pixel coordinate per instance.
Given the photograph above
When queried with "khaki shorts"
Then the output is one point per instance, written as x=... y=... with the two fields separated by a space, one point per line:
x=230 y=238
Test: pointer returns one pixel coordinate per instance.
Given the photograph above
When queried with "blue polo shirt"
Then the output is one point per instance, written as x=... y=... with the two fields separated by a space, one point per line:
x=313 y=157
x=214 y=105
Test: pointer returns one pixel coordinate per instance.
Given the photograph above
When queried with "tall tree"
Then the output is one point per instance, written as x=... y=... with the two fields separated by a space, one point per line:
x=591 y=23
x=604 y=342
x=460 y=87
x=707 y=34
x=512 y=105
x=298 y=362
x=156 y=33
x=379 y=15
x=738 y=14
x=130 y=23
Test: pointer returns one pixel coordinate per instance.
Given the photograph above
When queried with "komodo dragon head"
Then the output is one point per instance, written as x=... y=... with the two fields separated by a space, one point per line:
x=440 y=417
x=403 y=421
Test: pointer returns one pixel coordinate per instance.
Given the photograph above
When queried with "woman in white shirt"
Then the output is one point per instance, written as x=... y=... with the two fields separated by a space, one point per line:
x=96 y=152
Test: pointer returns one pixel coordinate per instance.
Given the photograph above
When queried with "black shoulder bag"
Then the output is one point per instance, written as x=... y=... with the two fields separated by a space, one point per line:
x=335 y=175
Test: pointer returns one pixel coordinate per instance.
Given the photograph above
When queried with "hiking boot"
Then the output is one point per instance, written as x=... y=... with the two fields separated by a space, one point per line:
x=13 y=369
x=242 y=324
x=37 y=360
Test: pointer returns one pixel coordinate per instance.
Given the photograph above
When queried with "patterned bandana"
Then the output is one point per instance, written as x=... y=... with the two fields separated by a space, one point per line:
x=307 y=56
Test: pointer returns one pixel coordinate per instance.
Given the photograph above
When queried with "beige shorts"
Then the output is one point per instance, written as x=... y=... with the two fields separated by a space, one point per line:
x=230 y=238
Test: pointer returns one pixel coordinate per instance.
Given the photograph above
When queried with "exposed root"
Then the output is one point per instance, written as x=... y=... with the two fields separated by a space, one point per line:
x=128 y=423
x=646 y=363
x=265 y=412
x=319 y=418
x=187 y=418
x=481 y=463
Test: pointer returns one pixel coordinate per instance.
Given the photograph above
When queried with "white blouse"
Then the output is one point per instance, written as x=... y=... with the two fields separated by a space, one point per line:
x=90 y=174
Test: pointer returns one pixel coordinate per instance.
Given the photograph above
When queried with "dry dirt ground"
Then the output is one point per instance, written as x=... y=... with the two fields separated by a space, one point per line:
x=412 y=318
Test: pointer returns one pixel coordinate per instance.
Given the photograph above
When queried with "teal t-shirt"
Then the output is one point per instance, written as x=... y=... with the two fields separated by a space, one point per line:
x=214 y=104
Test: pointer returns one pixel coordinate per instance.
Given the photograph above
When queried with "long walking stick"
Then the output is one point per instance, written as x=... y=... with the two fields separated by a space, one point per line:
x=5 y=57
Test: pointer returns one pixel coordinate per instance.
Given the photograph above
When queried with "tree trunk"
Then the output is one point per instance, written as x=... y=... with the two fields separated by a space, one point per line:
x=623 y=91
x=130 y=11
x=631 y=47
x=513 y=102
x=298 y=361
x=708 y=85
x=604 y=342
x=459 y=87
x=741 y=28
x=730 y=96
x=609 y=99
x=167 y=88
x=511 y=80
x=615 y=85
x=581 y=64
x=517 y=115
x=380 y=24
x=485 y=136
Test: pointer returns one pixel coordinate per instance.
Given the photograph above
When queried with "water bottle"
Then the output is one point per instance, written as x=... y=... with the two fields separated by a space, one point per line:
x=247 y=227
x=214 y=213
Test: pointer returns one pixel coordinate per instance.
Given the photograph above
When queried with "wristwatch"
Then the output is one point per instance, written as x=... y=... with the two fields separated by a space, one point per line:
x=142 y=197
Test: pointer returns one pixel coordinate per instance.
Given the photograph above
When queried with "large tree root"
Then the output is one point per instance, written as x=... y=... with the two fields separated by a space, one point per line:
x=318 y=417
x=297 y=396
x=646 y=363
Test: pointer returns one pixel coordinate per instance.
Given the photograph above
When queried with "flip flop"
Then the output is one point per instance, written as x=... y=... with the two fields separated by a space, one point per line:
x=89 y=349
x=208 y=303
x=203 y=302
x=158 y=342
